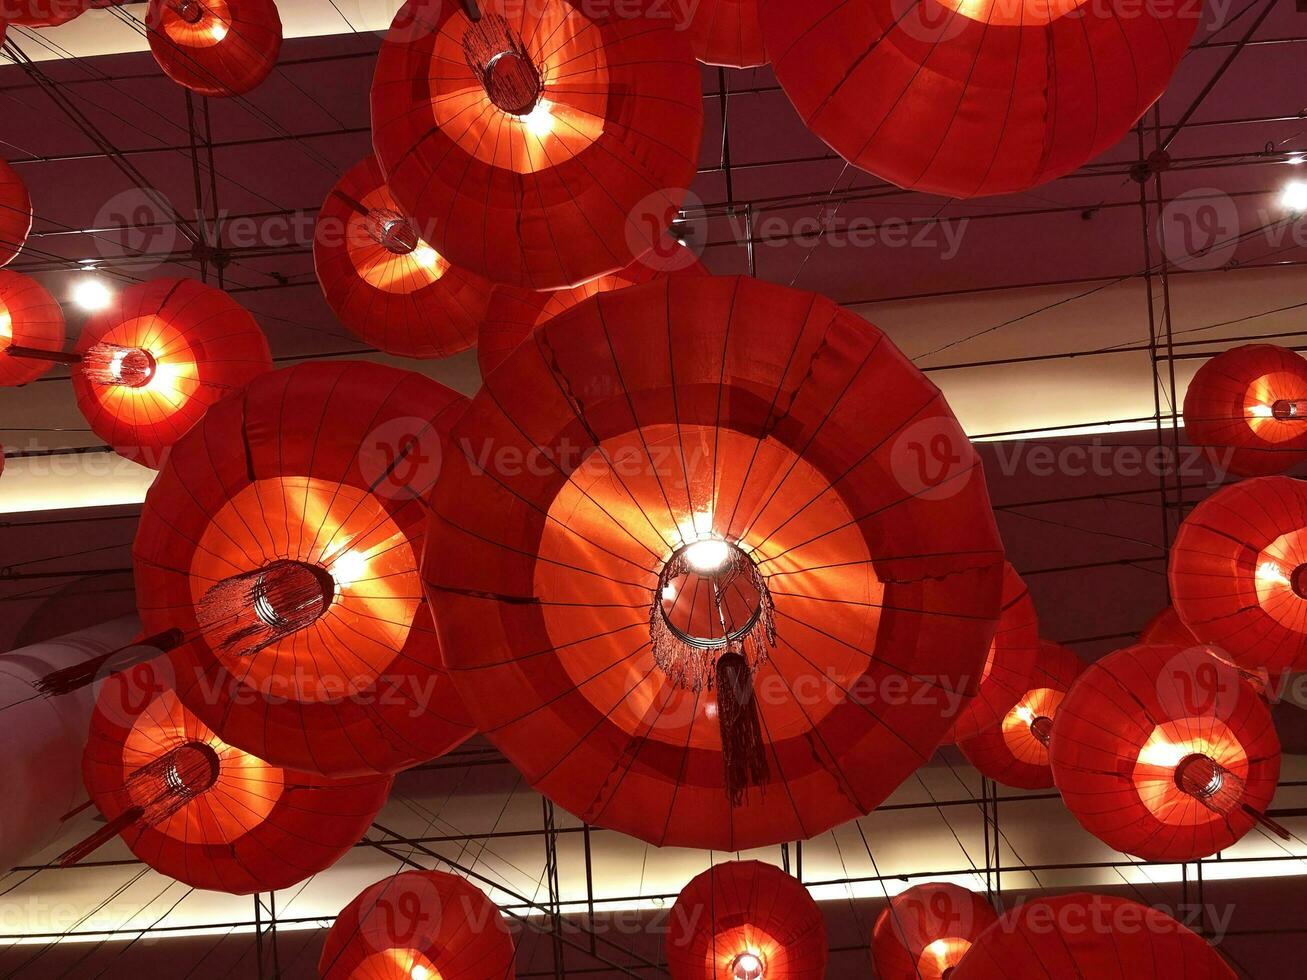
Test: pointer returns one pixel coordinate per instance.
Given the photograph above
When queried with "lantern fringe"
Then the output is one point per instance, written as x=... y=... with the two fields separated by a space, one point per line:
x=247 y=613
x=502 y=64
x=113 y=365
x=85 y=848
x=74 y=678
x=744 y=752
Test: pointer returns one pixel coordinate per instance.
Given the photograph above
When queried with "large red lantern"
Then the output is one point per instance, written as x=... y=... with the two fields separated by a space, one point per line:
x=215 y=47
x=926 y=930
x=150 y=364
x=1090 y=936
x=1248 y=407
x=540 y=145
x=199 y=810
x=688 y=574
x=515 y=312
x=726 y=33
x=282 y=540
x=1164 y=752
x=419 y=925
x=1014 y=752
x=1239 y=572
x=745 y=920
x=1009 y=663
x=15 y=208
x=388 y=286
x=31 y=326
x=968 y=99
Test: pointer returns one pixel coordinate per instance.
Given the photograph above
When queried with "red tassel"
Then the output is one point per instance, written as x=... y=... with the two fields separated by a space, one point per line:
x=743 y=750
x=77 y=676
x=108 y=832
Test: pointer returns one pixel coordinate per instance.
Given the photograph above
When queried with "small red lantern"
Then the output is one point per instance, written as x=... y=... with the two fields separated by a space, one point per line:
x=1090 y=936
x=745 y=920
x=419 y=925
x=515 y=312
x=1248 y=407
x=726 y=33
x=150 y=365
x=282 y=540
x=926 y=930
x=1239 y=572
x=1167 y=629
x=196 y=809
x=215 y=47
x=1164 y=752
x=1009 y=664
x=965 y=98
x=388 y=286
x=1015 y=751
x=31 y=325
x=539 y=145
x=680 y=516
x=15 y=208
x=45 y=13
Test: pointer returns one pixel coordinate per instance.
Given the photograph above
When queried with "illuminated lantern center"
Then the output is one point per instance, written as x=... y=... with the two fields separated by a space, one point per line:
x=249 y=612
x=748 y=966
x=126 y=367
x=392 y=231
x=1298 y=581
x=1042 y=728
x=1011 y=13
x=162 y=787
x=1209 y=782
x=1287 y=410
x=710 y=596
x=499 y=59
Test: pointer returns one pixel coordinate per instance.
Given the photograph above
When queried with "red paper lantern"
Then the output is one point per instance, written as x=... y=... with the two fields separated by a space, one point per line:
x=1239 y=573
x=1085 y=935
x=197 y=809
x=282 y=540
x=215 y=47
x=15 y=208
x=1165 y=753
x=924 y=931
x=726 y=33
x=153 y=362
x=689 y=573
x=419 y=925
x=745 y=920
x=1166 y=628
x=387 y=285
x=1010 y=663
x=515 y=312
x=31 y=323
x=968 y=99
x=542 y=145
x=1248 y=407
x=1015 y=751
x=45 y=13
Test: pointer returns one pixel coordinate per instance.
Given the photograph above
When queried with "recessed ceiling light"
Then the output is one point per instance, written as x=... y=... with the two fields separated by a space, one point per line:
x=92 y=294
x=1294 y=196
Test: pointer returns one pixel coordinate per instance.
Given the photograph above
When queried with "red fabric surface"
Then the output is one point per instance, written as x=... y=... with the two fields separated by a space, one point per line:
x=205 y=346
x=1167 y=628
x=325 y=463
x=230 y=51
x=1232 y=570
x=726 y=33
x=779 y=421
x=410 y=305
x=29 y=317
x=1228 y=409
x=44 y=13
x=1009 y=663
x=745 y=908
x=927 y=929
x=1007 y=752
x=419 y=921
x=15 y=208
x=1085 y=935
x=587 y=193
x=1001 y=101
x=257 y=828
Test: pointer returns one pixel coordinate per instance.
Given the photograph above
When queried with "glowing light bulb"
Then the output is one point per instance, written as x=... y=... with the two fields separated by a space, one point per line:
x=6 y=326
x=1268 y=571
x=1261 y=411
x=92 y=295
x=1294 y=196
x=1296 y=159
x=218 y=31
x=348 y=568
x=747 y=966
x=669 y=591
x=1024 y=712
x=539 y=121
x=707 y=556
x=420 y=972
x=426 y=256
x=1162 y=753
